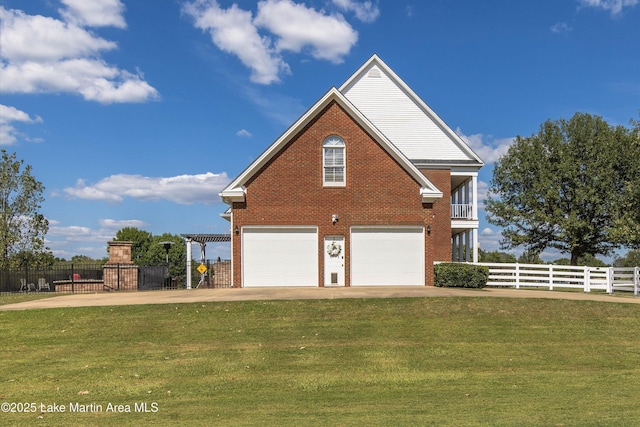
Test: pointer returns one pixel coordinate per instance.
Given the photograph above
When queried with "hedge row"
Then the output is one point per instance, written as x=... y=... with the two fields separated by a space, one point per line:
x=453 y=275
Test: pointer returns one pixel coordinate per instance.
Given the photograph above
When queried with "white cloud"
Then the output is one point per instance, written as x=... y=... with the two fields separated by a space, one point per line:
x=94 y=13
x=71 y=232
x=233 y=31
x=366 y=11
x=613 y=6
x=278 y=26
x=483 y=192
x=40 y=38
x=296 y=26
x=243 y=133
x=489 y=239
x=183 y=189
x=67 y=241
x=8 y=115
x=45 y=55
x=561 y=27
x=490 y=150
x=93 y=79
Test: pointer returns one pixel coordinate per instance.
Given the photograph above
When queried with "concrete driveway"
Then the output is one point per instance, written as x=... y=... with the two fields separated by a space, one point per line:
x=248 y=294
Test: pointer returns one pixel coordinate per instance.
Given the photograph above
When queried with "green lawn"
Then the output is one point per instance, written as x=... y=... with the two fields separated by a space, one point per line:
x=413 y=361
x=20 y=297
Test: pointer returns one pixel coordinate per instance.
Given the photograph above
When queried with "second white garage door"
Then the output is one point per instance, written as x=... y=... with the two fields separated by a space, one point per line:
x=387 y=256
x=274 y=256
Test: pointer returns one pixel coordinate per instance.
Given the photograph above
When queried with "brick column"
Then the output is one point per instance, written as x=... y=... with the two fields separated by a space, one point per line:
x=120 y=273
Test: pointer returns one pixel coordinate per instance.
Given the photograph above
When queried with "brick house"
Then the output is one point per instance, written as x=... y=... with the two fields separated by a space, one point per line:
x=368 y=187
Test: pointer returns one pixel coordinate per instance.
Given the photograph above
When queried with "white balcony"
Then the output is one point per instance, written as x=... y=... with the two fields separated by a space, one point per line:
x=462 y=211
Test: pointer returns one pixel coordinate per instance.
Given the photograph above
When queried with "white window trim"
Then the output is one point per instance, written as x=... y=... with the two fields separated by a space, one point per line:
x=334 y=142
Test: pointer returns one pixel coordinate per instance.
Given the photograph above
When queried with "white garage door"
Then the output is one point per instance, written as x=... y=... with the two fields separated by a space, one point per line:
x=279 y=256
x=387 y=256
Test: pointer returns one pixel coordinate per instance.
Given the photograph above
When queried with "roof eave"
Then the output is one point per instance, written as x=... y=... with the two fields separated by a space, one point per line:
x=230 y=195
x=430 y=196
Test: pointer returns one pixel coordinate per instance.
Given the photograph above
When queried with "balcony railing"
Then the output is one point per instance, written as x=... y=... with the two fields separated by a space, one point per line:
x=461 y=211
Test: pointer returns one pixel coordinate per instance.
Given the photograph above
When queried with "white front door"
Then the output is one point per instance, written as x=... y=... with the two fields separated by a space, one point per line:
x=334 y=261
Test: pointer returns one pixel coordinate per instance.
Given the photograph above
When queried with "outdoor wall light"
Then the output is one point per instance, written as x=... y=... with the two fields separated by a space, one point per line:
x=429 y=229
x=237 y=230
x=334 y=218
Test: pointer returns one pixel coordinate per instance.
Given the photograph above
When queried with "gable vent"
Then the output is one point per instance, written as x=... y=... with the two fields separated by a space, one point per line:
x=374 y=72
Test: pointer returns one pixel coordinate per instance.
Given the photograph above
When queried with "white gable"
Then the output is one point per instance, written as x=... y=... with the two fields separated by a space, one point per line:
x=381 y=96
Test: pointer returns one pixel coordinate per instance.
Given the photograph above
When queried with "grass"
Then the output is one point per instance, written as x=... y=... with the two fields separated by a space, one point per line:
x=7 y=298
x=413 y=361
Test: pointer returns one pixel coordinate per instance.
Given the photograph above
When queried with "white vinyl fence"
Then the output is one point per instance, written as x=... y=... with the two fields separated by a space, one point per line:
x=608 y=279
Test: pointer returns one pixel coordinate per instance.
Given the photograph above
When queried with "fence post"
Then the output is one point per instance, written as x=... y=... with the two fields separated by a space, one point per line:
x=636 y=280
x=610 y=280
x=551 y=277
x=73 y=279
x=587 y=279
x=517 y=276
x=26 y=273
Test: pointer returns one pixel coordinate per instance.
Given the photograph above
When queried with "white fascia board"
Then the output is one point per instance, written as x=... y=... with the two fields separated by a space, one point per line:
x=427 y=110
x=464 y=171
x=430 y=196
x=464 y=224
x=231 y=194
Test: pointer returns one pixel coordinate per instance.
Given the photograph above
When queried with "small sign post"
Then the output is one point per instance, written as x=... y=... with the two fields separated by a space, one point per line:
x=202 y=269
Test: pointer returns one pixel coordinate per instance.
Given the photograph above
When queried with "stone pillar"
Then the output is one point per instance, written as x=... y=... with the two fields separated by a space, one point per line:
x=120 y=273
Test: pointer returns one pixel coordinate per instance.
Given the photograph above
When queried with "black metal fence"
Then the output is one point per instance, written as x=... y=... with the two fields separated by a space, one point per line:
x=89 y=278
x=217 y=274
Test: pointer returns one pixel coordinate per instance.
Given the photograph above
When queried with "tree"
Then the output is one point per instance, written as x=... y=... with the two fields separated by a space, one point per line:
x=141 y=242
x=628 y=225
x=565 y=187
x=585 y=260
x=631 y=259
x=495 y=256
x=83 y=259
x=148 y=250
x=22 y=226
x=530 y=257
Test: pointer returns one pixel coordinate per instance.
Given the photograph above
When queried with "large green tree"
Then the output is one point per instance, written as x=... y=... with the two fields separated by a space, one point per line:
x=148 y=249
x=566 y=187
x=628 y=224
x=631 y=259
x=22 y=226
x=141 y=242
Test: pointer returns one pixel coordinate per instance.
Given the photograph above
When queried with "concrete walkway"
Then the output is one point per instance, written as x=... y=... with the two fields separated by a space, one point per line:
x=248 y=294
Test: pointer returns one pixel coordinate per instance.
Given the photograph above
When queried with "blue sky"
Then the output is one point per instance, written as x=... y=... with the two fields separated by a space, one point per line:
x=137 y=113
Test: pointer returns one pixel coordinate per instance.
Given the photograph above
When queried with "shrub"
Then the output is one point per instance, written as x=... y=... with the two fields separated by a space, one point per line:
x=453 y=275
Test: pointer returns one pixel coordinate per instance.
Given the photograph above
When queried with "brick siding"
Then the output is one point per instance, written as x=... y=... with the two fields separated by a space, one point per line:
x=289 y=190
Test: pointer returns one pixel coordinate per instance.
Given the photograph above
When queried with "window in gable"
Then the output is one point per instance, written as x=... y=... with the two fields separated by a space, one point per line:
x=333 y=161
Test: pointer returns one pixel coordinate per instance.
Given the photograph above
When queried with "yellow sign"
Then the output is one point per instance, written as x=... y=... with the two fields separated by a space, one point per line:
x=202 y=269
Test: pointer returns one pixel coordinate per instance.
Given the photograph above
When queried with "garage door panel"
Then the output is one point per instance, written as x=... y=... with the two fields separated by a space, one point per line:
x=383 y=256
x=280 y=257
